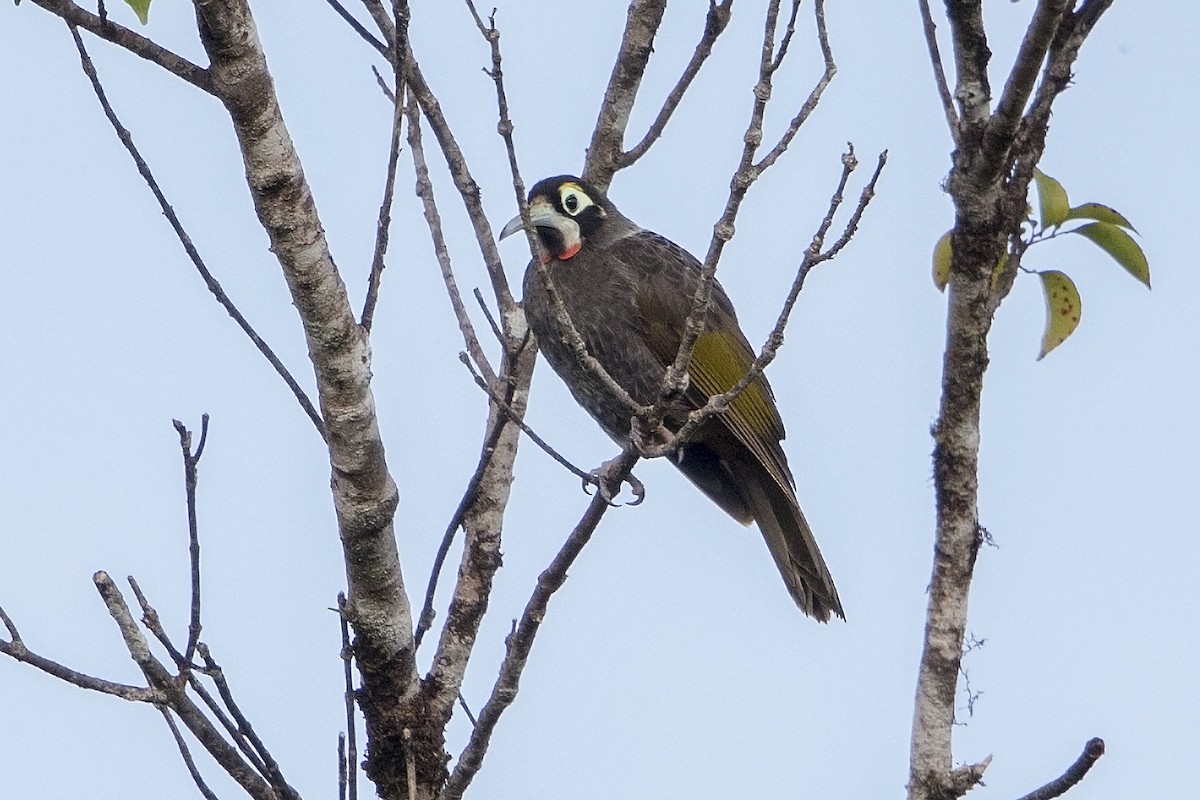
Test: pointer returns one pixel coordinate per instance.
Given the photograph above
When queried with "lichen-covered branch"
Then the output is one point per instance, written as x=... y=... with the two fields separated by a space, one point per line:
x=993 y=164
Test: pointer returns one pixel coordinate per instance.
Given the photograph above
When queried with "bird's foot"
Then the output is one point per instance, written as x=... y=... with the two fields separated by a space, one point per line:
x=609 y=485
x=651 y=443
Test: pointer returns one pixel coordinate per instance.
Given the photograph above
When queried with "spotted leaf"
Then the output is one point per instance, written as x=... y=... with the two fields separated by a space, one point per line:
x=1062 y=309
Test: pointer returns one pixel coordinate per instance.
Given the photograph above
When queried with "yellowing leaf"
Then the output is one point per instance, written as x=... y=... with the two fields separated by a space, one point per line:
x=942 y=255
x=1052 y=199
x=141 y=8
x=1062 y=309
x=1100 y=213
x=1121 y=246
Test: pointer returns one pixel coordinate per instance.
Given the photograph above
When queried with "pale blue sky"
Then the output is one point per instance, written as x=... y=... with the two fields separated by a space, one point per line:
x=673 y=663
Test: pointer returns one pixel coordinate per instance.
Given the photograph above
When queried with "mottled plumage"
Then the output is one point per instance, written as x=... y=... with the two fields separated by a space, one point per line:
x=628 y=292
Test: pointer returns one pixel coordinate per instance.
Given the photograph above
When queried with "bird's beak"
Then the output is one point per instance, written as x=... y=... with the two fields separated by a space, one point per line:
x=542 y=215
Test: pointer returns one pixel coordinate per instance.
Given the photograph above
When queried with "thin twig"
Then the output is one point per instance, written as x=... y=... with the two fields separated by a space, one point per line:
x=350 y=743
x=487 y=313
x=191 y=462
x=175 y=696
x=512 y=415
x=231 y=727
x=110 y=31
x=815 y=254
x=16 y=649
x=342 y=768
x=384 y=222
x=637 y=43
x=211 y=282
x=462 y=703
x=714 y=25
x=358 y=27
x=410 y=765
x=1074 y=774
x=814 y=95
x=188 y=761
x=520 y=642
x=153 y=624
x=746 y=173
x=487 y=453
x=939 y=72
x=433 y=219
x=382 y=21
x=468 y=189
x=786 y=42
x=271 y=766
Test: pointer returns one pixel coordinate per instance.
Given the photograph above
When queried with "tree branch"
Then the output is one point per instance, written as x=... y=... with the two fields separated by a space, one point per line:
x=939 y=71
x=714 y=26
x=1074 y=774
x=138 y=45
x=16 y=649
x=214 y=286
x=637 y=43
x=520 y=642
x=364 y=494
x=1000 y=133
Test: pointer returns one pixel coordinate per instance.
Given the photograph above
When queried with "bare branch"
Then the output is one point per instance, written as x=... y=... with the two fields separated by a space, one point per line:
x=939 y=71
x=814 y=96
x=433 y=219
x=714 y=26
x=466 y=185
x=191 y=462
x=385 y=217
x=214 y=671
x=520 y=641
x=385 y=24
x=1074 y=774
x=538 y=440
x=176 y=698
x=814 y=255
x=349 y=742
x=343 y=769
x=971 y=56
x=745 y=174
x=188 y=761
x=153 y=624
x=637 y=43
x=16 y=649
x=359 y=29
x=110 y=31
x=1001 y=130
x=214 y=286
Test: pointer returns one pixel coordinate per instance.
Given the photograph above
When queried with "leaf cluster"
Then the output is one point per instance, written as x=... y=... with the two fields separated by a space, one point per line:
x=1102 y=225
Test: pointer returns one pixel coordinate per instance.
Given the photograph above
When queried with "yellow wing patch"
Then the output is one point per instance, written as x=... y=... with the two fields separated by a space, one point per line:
x=718 y=363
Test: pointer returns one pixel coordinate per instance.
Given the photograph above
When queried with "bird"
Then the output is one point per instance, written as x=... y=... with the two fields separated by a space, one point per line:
x=628 y=292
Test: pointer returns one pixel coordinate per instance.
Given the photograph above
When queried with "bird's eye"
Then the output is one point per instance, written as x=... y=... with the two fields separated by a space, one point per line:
x=573 y=198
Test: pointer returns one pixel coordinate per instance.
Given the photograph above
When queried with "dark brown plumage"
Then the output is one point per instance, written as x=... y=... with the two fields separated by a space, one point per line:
x=628 y=292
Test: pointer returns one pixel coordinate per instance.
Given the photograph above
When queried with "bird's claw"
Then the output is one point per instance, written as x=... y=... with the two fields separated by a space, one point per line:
x=608 y=486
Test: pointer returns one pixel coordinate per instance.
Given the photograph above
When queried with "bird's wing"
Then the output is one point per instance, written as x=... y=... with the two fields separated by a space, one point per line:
x=667 y=278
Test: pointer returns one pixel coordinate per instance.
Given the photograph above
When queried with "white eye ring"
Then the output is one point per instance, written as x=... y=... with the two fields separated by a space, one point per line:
x=574 y=200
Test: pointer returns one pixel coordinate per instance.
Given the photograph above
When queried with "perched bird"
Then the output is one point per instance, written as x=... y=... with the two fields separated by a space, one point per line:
x=629 y=292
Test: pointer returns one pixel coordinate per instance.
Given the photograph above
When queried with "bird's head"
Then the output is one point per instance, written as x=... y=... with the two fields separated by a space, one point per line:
x=565 y=212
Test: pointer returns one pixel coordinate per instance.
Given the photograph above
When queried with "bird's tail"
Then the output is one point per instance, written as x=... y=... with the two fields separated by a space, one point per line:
x=793 y=547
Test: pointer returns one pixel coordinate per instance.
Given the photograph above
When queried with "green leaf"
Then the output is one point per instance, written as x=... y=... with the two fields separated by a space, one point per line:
x=1100 y=213
x=1062 y=309
x=1120 y=245
x=942 y=255
x=141 y=8
x=1052 y=198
